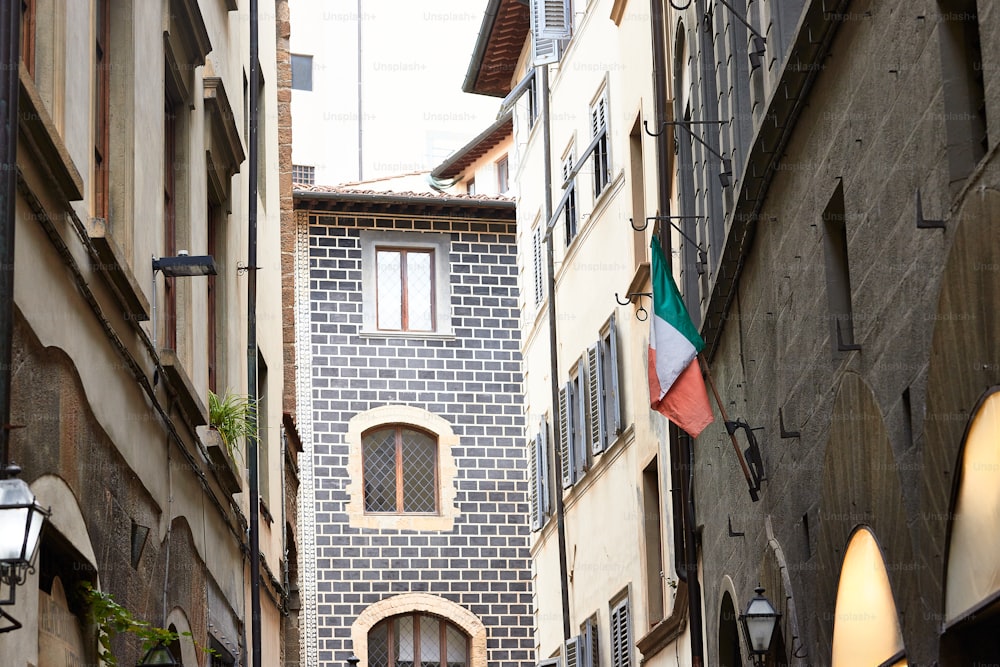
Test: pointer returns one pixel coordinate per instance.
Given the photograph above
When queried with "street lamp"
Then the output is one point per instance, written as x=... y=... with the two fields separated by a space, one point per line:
x=758 y=622
x=159 y=655
x=21 y=519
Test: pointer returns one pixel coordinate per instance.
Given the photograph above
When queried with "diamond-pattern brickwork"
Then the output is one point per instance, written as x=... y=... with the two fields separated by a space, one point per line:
x=472 y=380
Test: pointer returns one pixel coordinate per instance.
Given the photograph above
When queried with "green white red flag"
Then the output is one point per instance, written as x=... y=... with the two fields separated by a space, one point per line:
x=676 y=388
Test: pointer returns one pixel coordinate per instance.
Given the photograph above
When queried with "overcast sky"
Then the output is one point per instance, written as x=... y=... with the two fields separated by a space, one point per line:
x=414 y=56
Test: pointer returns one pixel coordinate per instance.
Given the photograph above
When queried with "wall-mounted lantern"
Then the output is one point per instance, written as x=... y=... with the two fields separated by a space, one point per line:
x=758 y=622
x=21 y=519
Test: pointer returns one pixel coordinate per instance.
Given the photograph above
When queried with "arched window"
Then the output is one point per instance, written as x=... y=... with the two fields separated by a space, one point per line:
x=400 y=470
x=866 y=626
x=417 y=640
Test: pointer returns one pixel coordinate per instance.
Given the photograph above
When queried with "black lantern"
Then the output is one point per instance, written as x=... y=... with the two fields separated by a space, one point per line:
x=159 y=655
x=758 y=622
x=353 y=660
x=21 y=519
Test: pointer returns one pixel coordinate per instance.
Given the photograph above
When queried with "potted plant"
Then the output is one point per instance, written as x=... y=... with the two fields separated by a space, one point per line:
x=231 y=418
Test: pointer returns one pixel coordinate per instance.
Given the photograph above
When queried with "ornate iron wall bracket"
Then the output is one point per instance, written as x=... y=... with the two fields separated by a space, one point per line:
x=641 y=314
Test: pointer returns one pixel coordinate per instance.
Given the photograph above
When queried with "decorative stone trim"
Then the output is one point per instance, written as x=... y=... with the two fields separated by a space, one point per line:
x=423 y=603
x=447 y=469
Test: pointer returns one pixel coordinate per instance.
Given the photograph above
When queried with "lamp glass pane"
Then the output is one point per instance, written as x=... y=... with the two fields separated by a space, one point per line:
x=159 y=655
x=13 y=522
x=760 y=629
x=37 y=518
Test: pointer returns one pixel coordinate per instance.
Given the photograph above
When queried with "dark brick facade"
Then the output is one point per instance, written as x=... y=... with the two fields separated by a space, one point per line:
x=473 y=381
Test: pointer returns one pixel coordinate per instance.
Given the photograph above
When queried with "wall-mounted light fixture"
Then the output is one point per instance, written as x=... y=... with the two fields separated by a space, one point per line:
x=758 y=623
x=183 y=265
x=21 y=519
x=160 y=655
x=759 y=41
x=754 y=461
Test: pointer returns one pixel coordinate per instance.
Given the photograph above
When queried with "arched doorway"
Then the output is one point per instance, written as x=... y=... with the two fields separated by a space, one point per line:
x=729 y=634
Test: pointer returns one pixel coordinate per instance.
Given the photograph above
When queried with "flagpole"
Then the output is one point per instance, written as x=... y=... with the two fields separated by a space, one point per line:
x=732 y=436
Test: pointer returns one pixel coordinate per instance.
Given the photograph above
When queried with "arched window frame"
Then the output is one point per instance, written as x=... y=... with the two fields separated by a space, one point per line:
x=418 y=634
x=405 y=603
x=401 y=468
x=419 y=419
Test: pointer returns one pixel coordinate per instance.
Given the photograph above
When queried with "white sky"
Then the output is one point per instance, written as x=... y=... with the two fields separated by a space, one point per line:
x=414 y=57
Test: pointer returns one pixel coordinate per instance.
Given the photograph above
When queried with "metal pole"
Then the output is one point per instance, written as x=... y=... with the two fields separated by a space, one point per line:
x=361 y=163
x=254 y=536
x=10 y=51
x=543 y=95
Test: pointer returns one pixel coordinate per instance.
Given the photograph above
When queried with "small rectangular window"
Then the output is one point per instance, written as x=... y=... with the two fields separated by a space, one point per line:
x=302 y=72
x=838 y=274
x=405 y=289
x=503 y=176
x=303 y=174
x=599 y=130
x=472 y=186
x=652 y=530
x=569 y=210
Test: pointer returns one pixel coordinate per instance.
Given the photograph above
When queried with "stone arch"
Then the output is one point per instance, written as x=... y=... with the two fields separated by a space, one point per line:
x=447 y=468
x=426 y=603
x=860 y=487
x=53 y=493
x=177 y=621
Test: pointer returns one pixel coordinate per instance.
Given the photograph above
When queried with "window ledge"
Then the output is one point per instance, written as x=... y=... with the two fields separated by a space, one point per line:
x=667 y=631
x=370 y=333
x=43 y=140
x=117 y=271
x=192 y=405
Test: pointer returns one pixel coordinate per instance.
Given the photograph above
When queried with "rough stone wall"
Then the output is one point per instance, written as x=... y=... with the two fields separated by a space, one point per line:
x=474 y=382
x=284 y=85
x=875 y=122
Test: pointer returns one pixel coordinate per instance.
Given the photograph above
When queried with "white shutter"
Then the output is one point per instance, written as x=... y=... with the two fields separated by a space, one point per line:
x=544 y=495
x=536 y=250
x=571 y=652
x=621 y=653
x=596 y=398
x=536 y=522
x=581 y=427
x=591 y=648
x=614 y=401
x=544 y=50
x=555 y=18
x=566 y=435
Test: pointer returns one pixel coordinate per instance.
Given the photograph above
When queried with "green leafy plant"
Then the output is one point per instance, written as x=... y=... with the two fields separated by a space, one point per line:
x=111 y=619
x=234 y=416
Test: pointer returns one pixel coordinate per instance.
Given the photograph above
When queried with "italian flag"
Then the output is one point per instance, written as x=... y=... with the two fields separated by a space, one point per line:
x=676 y=388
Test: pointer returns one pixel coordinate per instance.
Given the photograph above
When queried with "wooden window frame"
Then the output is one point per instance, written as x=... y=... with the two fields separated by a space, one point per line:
x=169 y=220
x=621 y=647
x=392 y=624
x=404 y=300
x=212 y=298
x=398 y=459
x=602 y=153
x=503 y=175
x=102 y=106
x=29 y=27
x=571 y=218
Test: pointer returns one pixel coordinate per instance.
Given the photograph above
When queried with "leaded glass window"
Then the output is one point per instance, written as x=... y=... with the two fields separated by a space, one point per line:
x=417 y=640
x=400 y=470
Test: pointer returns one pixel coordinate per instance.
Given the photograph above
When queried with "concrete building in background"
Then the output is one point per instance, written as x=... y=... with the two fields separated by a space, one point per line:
x=627 y=603
x=366 y=108
x=132 y=145
x=409 y=357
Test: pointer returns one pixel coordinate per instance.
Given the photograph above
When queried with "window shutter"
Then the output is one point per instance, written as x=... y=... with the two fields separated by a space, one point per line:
x=544 y=50
x=533 y=480
x=555 y=18
x=591 y=648
x=598 y=401
x=544 y=496
x=581 y=432
x=537 y=261
x=621 y=655
x=614 y=410
x=571 y=650
x=566 y=435
x=599 y=116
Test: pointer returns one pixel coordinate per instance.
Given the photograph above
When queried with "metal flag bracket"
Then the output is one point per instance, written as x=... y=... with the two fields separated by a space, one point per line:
x=641 y=314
